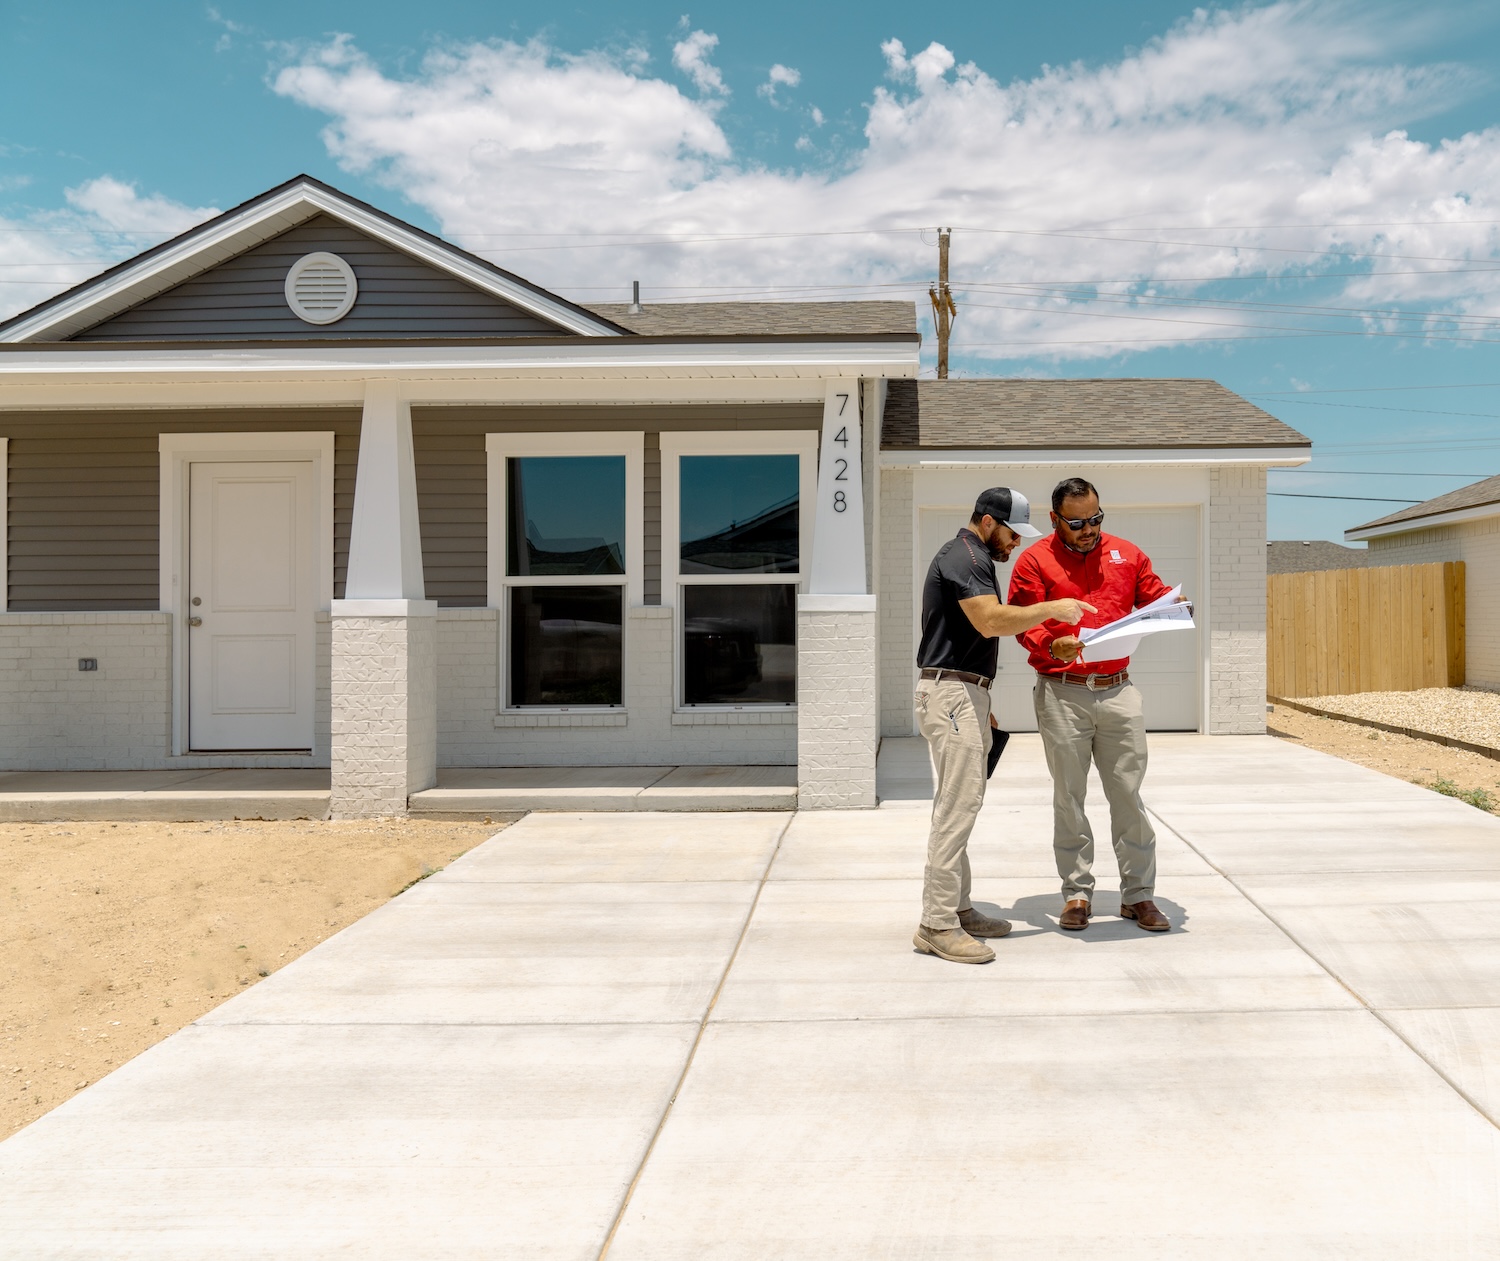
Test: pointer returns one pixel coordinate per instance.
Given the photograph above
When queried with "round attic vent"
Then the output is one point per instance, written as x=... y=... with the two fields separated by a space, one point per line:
x=320 y=288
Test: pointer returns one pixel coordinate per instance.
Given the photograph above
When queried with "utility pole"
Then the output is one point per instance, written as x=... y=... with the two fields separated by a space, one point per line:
x=944 y=312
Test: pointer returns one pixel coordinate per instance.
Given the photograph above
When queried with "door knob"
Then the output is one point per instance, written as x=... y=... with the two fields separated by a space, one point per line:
x=195 y=621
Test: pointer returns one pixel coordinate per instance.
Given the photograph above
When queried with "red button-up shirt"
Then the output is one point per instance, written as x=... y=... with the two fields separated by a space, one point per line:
x=1115 y=577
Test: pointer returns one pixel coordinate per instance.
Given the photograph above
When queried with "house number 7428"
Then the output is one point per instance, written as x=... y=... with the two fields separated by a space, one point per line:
x=840 y=502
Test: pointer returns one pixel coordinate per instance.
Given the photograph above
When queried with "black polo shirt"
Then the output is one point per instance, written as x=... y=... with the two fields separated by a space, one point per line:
x=962 y=569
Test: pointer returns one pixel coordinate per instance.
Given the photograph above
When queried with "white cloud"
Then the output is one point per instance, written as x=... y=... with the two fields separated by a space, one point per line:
x=817 y=117
x=779 y=77
x=106 y=220
x=1240 y=143
x=691 y=57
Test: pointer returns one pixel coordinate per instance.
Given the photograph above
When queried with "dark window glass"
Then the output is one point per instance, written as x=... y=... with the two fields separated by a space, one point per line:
x=565 y=645
x=567 y=515
x=740 y=645
x=739 y=514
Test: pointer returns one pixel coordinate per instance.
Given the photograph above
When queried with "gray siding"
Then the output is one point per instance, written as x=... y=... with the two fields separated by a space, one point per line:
x=244 y=298
x=451 y=490
x=83 y=500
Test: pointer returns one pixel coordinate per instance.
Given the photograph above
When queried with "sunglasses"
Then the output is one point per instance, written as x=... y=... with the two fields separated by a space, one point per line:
x=1079 y=523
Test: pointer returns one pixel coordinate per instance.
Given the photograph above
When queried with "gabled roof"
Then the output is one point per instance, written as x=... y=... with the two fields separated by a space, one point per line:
x=195 y=251
x=1467 y=501
x=1076 y=415
x=764 y=319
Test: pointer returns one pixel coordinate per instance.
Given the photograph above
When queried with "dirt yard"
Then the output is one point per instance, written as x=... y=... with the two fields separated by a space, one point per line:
x=1419 y=761
x=114 y=935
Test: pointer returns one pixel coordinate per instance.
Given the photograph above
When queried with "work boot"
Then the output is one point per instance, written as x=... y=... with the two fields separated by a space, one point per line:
x=1075 y=915
x=977 y=925
x=1147 y=916
x=952 y=944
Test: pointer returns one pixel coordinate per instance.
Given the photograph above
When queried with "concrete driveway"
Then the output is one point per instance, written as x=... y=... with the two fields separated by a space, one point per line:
x=664 y=1036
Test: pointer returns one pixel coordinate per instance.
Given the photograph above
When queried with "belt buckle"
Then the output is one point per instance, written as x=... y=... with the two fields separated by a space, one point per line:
x=1090 y=682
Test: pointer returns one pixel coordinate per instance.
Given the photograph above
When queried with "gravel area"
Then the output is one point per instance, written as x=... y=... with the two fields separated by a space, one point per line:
x=1461 y=713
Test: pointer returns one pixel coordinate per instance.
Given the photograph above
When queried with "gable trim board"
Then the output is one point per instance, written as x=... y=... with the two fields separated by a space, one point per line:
x=258 y=220
x=1023 y=456
x=178 y=452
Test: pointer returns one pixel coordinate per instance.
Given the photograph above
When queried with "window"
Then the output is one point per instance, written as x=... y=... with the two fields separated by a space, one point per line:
x=565 y=564
x=736 y=527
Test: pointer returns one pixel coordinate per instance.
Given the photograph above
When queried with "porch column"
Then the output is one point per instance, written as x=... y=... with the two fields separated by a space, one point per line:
x=384 y=684
x=837 y=665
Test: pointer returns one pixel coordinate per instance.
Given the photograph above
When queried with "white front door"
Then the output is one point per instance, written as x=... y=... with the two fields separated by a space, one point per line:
x=1165 y=666
x=249 y=603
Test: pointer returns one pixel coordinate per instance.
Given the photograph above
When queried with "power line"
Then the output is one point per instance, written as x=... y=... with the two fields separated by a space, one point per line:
x=1368 y=499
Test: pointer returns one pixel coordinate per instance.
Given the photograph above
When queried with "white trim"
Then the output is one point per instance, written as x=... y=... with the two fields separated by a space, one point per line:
x=329 y=360
x=802 y=443
x=1454 y=517
x=320 y=258
x=499 y=447
x=4 y=524
x=180 y=450
x=384 y=608
x=235 y=233
x=1097 y=456
x=835 y=604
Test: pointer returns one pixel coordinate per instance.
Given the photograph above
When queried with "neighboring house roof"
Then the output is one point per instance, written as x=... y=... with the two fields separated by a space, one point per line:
x=1076 y=415
x=1478 y=499
x=1300 y=556
x=763 y=319
x=190 y=254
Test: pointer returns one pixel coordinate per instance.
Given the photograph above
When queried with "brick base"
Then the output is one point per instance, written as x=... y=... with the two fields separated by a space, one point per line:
x=837 y=705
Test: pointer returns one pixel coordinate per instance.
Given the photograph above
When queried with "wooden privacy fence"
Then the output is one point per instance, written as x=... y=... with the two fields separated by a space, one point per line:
x=1337 y=631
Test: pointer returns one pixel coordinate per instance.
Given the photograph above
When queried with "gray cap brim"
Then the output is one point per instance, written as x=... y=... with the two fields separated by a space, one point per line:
x=1025 y=529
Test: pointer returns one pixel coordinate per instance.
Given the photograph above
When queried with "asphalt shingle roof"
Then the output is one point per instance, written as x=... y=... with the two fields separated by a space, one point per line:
x=968 y=414
x=1474 y=495
x=765 y=319
x=1294 y=556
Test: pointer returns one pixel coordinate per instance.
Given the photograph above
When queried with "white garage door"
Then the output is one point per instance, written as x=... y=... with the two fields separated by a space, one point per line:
x=1166 y=666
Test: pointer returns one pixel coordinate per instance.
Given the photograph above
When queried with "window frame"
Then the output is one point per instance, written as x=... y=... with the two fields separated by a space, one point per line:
x=500 y=447
x=799 y=442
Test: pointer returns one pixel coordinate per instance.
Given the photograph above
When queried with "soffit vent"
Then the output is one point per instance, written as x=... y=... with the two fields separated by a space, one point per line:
x=320 y=288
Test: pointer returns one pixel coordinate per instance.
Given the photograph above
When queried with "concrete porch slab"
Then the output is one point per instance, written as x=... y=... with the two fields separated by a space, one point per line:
x=480 y=792
x=168 y=796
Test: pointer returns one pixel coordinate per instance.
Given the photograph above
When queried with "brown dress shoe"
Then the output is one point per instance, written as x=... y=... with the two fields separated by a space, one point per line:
x=1147 y=916
x=1075 y=915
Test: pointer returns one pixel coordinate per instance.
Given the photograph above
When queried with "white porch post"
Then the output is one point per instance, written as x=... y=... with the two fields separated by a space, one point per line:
x=384 y=683
x=837 y=666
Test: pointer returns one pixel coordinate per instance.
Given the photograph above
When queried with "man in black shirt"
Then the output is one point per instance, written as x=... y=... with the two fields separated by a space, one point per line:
x=962 y=618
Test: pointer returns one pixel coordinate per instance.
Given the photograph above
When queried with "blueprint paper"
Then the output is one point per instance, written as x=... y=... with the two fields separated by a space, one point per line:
x=1123 y=636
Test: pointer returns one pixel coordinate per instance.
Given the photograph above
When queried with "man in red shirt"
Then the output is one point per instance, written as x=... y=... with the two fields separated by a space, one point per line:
x=1090 y=711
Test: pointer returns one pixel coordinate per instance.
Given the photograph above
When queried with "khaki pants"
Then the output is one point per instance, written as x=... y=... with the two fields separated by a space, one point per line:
x=1078 y=726
x=955 y=719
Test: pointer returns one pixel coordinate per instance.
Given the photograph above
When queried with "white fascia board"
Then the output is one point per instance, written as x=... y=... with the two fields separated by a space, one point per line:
x=1456 y=517
x=625 y=357
x=1284 y=457
x=202 y=250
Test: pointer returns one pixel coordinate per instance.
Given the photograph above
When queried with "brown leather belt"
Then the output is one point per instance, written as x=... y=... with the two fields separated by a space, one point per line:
x=963 y=676
x=1094 y=682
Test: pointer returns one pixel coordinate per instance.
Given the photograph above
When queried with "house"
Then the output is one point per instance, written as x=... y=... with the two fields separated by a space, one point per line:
x=308 y=486
x=1464 y=525
x=1301 y=556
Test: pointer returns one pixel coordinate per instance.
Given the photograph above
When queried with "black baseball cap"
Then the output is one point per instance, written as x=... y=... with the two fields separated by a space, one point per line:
x=1009 y=506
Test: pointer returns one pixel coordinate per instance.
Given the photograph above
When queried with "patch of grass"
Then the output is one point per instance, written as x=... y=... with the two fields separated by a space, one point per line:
x=1479 y=798
x=426 y=871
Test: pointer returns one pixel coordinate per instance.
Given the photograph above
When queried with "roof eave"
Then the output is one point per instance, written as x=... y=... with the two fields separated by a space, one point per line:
x=1384 y=529
x=1285 y=456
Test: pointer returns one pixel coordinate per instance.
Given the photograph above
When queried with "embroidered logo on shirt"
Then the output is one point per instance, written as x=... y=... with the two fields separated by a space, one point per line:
x=1115 y=556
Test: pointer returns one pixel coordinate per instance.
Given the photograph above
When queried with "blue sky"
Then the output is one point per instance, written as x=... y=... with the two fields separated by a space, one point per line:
x=1299 y=200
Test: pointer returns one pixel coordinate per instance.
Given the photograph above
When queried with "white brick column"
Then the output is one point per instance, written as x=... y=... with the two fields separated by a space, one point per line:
x=1237 y=607
x=384 y=733
x=837 y=702
x=383 y=683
